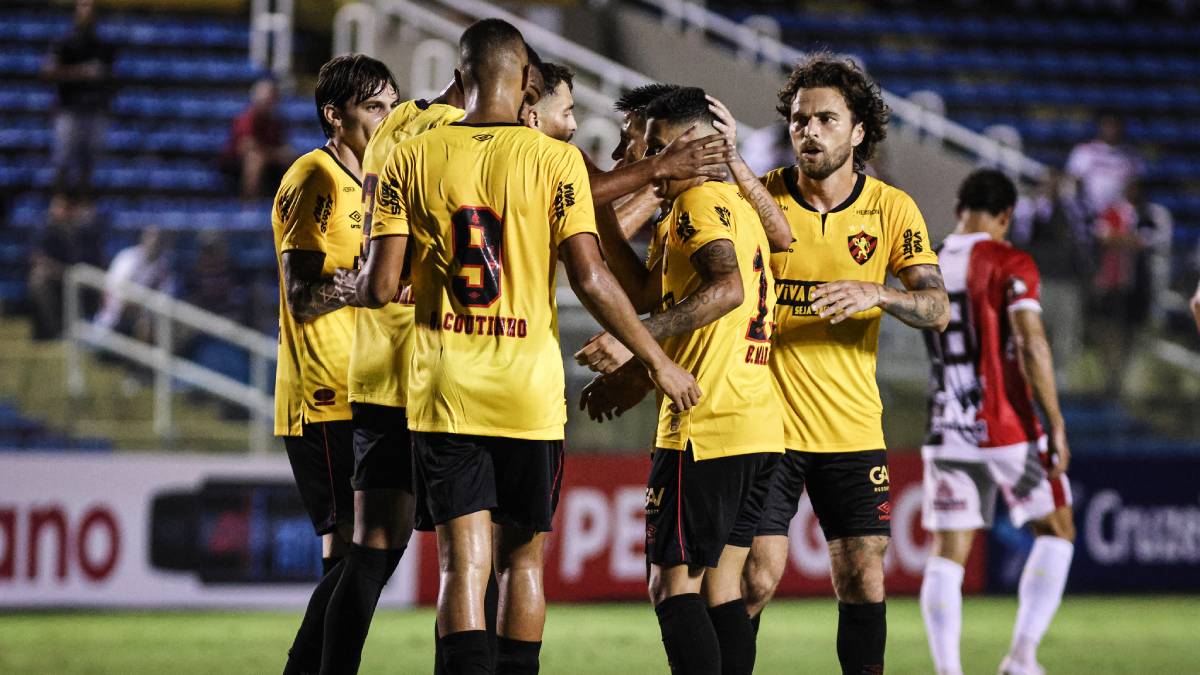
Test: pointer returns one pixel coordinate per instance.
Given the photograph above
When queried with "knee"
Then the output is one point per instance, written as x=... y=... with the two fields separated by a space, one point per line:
x=758 y=585
x=858 y=579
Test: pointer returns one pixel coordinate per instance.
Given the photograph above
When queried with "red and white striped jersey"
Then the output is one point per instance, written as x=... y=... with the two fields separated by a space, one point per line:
x=979 y=400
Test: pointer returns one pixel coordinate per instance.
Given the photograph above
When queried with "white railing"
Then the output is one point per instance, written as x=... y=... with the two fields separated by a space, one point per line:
x=159 y=357
x=271 y=36
x=752 y=43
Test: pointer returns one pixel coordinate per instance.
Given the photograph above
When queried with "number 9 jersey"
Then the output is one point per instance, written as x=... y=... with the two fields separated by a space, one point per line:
x=486 y=208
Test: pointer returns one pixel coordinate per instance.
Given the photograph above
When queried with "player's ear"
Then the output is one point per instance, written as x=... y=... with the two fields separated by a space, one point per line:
x=525 y=77
x=458 y=83
x=531 y=117
x=857 y=134
x=332 y=116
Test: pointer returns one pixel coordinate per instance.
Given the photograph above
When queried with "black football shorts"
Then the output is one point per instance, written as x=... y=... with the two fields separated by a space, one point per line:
x=322 y=460
x=849 y=491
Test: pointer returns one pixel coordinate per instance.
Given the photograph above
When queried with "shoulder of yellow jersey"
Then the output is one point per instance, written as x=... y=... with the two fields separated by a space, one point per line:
x=405 y=121
x=889 y=197
x=314 y=169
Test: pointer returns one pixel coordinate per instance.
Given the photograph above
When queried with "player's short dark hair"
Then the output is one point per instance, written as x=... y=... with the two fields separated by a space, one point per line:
x=684 y=105
x=860 y=92
x=555 y=73
x=635 y=100
x=986 y=190
x=350 y=79
x=489 y=42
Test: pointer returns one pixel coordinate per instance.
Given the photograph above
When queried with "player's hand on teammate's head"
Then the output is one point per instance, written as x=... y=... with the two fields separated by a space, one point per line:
x=603 y=353
x=346 y=281
x=692 y=156
x=1060 y=452
x=839 y=300
x=725 y=122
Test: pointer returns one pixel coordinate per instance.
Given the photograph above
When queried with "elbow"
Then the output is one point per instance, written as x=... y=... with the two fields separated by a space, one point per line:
x=374 y=295
x=781 y=244
x=295 y=308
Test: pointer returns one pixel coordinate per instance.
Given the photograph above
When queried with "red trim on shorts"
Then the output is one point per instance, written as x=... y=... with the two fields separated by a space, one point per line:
x=679 y=507
x=557 y=476
x=329 y=470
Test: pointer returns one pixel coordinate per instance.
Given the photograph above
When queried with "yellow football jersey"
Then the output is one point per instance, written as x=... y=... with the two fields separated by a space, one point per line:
x=383 y=338
x=316 y=209
x=739 y=411
x=826 y=372
x=486 y=207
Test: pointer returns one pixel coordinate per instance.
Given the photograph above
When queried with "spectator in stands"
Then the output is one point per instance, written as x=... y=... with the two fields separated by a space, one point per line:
x=768 y=148
x=212 y=282
x=80 y=65
x=1131 y=236
x=147 y=263
x=71 y=236
x=257 y=153
x=1104 y=166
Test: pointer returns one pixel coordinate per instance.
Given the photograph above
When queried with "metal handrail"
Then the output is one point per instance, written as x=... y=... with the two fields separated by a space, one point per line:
x=168 y=311
x=690 y=15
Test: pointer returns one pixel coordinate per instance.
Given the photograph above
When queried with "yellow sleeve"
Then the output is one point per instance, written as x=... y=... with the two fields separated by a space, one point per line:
x=908 y=235
x=700 y=219
x=390 y=215
x=305 y=206
x=571 y=209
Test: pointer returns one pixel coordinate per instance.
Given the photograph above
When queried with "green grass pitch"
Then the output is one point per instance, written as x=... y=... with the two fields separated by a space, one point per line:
x=1090 y=636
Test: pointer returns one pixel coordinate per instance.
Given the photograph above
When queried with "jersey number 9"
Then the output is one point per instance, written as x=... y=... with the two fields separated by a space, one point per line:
x=478 y=249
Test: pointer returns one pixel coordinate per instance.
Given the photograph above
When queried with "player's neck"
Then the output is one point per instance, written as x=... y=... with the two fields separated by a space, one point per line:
x=830 y=192
x=495 y=106
x=346 y=156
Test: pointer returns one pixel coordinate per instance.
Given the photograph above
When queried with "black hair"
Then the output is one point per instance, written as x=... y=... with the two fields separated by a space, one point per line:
x=488 y=43
x=555 y=73
x=986 y=190
x=349 y=80
x=635 y=100
x=681 y=106
x=860 y=92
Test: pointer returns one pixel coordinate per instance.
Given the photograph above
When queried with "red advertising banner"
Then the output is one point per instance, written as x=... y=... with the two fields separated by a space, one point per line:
x=596 y=551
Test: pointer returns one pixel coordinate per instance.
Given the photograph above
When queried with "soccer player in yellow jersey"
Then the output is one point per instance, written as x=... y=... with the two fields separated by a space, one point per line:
x=316 y=222
x=850 y=232
x=490 y=206
x=711 y=471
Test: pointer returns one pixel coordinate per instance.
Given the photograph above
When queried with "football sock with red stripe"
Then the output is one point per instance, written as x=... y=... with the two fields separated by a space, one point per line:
x=352 y=606
x=305 y=654
x=688 y=635
x=862 y=635
x=735 y=635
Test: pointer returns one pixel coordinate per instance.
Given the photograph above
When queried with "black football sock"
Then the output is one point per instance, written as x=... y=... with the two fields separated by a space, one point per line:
x=491 y=606
x=517 y=657
x=688 y=635
x=735 y=635
x=862 y=635
x=352 y=605
x=305 y=654
x=466 y=653
x=439 y=665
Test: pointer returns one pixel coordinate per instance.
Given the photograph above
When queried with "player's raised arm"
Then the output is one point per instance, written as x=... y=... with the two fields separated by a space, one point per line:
x=689 y=157
x=308 y=292
x=779 y=232
x=379 y=280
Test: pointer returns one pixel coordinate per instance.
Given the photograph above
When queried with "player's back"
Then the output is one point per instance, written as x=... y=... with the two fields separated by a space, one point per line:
x=487 y=207
x=978 y=394
x=730 y=357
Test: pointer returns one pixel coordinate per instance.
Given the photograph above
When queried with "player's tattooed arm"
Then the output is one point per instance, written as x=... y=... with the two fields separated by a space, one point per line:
x=924 y=303
x=310 y=295
x=1038 y=364
x=921 y=304
x=779 y=232
x=720 y=292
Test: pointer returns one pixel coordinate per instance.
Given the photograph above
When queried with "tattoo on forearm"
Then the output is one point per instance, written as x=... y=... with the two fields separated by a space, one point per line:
x=716 y=262
x=308 y=295
x=924 y=305
x=760 y=198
